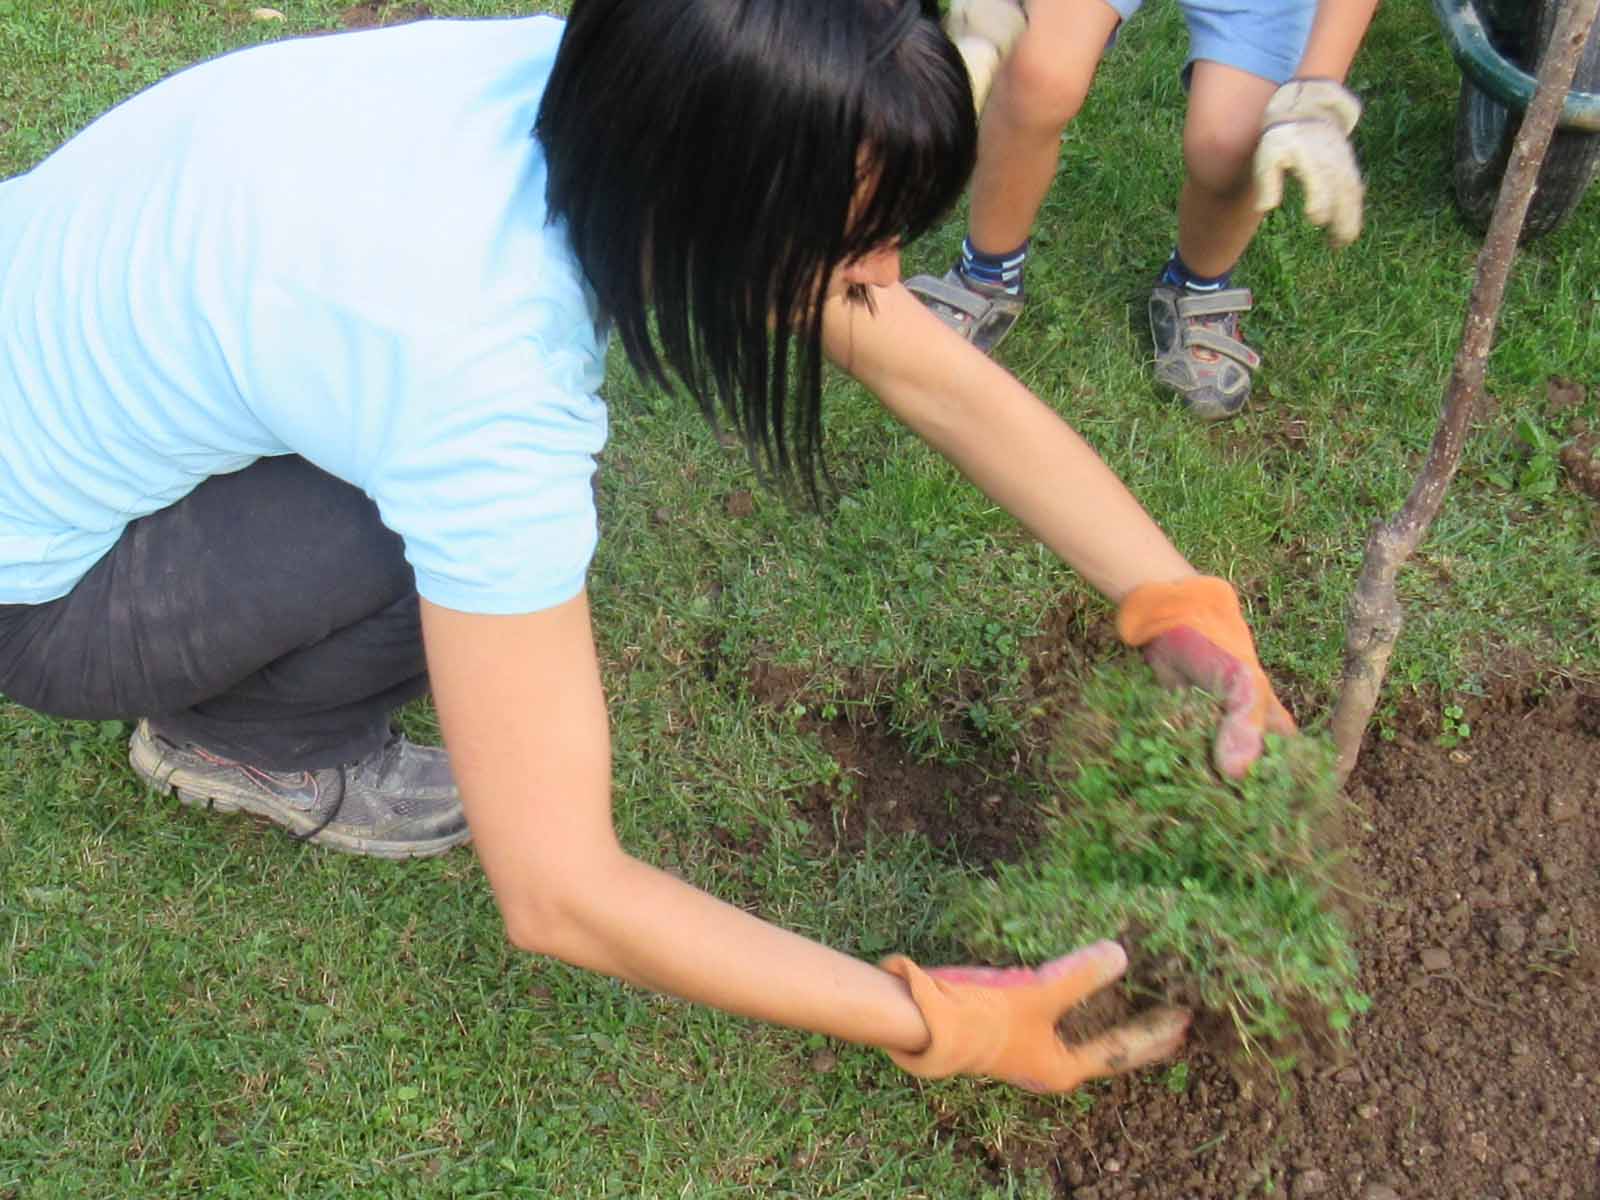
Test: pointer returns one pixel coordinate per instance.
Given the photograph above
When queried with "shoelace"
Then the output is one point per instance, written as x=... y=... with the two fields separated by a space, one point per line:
x=391 y=750
x=333 y=812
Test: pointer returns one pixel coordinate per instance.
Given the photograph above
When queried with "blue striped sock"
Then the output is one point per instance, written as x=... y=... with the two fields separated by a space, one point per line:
x=994 y=270
x=1177 y=274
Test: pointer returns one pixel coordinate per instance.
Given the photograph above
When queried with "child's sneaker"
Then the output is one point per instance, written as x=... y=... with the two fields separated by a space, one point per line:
x=1199 y=351
x=982 y=313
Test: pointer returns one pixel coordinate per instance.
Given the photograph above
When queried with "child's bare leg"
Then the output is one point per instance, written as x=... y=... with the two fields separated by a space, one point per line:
x=1194 y=314
x=1216 y=209
x=1039 y=89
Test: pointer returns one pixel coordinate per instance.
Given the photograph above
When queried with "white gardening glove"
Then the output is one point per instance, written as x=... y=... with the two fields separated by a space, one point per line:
x=984 y=32
x=1306 y=130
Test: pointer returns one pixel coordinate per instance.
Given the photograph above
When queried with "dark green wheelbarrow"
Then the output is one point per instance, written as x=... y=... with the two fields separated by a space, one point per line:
x=1498 y=44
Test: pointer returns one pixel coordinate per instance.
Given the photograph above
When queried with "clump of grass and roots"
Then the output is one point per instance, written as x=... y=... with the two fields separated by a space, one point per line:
x=1226 y=894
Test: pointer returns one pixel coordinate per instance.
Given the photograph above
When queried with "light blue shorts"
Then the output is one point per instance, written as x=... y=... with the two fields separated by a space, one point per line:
x=1264 y=37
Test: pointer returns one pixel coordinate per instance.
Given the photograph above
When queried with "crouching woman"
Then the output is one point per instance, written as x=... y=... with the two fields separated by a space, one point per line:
x=300 y=353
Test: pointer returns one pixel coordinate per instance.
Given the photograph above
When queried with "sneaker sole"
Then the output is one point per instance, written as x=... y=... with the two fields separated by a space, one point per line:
x=149 y=764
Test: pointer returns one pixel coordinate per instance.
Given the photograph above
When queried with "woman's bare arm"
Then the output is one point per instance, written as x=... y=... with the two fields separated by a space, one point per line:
x=524 y=719
x=1010 y=444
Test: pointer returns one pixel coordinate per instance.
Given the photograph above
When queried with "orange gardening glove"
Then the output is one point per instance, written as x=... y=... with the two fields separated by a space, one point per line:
x=1194 y=634
x=1002 y=1023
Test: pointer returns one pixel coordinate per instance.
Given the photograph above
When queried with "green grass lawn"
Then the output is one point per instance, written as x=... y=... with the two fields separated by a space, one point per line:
x=196 y=1006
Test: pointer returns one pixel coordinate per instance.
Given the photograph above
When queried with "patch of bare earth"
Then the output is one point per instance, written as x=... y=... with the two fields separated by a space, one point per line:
x=370 y=14
x=1580 y=459
x=970 y=811
x=1476 y=1075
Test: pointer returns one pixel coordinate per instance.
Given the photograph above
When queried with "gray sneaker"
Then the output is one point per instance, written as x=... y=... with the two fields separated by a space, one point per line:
x=400 y=802
x=980 y=312
x=1199 y=351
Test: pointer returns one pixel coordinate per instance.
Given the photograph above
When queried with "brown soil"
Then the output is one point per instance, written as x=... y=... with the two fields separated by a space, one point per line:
x=1580 y=458
x=370 y=14
x=973 y=812
x=1476 y=1076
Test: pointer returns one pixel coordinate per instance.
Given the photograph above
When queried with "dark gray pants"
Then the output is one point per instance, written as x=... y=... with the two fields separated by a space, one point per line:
x=268 y=616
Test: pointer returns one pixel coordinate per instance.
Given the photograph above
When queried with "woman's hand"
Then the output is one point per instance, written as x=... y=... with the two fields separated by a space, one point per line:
x=1193 y=634
x=1002 y=1023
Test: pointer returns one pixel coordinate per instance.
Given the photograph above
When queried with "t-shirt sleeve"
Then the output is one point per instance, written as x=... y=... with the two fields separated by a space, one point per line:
x=488 y=478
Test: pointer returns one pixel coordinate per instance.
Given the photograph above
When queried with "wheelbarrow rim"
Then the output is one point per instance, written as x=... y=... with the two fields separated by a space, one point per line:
x=1492 y=72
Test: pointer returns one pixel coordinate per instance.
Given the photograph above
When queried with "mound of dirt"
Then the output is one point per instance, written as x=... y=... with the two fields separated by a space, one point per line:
x=1476 y=1076
x=1580 y=459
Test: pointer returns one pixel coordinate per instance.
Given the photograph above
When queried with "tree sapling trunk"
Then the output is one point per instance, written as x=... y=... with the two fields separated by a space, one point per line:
x=1375 y=615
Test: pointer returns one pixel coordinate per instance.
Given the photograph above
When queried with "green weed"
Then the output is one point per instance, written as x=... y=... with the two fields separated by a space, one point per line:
x=1225 y=892
x=1454 y=726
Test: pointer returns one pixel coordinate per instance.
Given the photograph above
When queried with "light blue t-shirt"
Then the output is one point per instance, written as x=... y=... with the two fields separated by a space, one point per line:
x=334 y=247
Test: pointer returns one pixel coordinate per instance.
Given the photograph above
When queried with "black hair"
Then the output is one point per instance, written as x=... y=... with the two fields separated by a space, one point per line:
x=715 y=161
